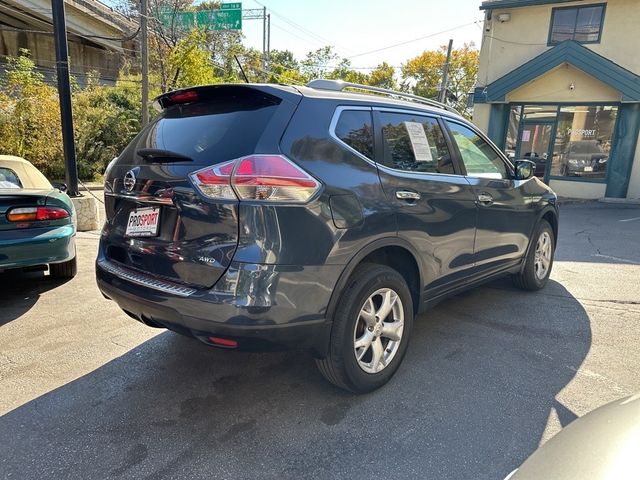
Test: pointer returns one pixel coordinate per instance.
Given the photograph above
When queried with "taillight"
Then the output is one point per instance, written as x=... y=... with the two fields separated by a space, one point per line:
x=32 y=214
x=270 y=178
x=215 y=182
x=187 y=96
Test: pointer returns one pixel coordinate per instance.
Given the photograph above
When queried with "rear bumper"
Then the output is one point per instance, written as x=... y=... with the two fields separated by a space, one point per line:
x=28 y=247
x=262 y=307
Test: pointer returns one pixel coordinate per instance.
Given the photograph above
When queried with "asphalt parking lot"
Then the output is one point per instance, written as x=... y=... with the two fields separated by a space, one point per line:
x=86 y=392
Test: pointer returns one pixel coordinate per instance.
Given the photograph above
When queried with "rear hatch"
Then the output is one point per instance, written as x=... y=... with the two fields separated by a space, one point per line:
x=196 y=237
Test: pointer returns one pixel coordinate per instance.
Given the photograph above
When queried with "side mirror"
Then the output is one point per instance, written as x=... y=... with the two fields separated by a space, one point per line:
x=525 y=169
x=60 y=186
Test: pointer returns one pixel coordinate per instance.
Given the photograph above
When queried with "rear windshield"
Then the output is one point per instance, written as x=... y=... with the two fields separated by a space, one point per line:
x=9 y=179
x=226 y=125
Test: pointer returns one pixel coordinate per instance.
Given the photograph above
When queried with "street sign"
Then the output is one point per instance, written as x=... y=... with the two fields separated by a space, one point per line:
x=228 y=17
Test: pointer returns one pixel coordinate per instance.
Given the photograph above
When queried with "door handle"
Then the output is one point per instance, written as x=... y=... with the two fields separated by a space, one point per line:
x=407 y=195
x=484 y=199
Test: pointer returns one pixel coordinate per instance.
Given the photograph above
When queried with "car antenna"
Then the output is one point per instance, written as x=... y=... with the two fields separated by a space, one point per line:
x=241 y=69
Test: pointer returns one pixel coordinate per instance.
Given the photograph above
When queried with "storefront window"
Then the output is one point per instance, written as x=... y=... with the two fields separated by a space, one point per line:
x=583 y=141
x=512 y=132
x=540 y=112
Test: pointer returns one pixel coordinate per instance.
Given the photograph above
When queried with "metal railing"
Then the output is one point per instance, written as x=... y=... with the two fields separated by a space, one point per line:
x=340 y=85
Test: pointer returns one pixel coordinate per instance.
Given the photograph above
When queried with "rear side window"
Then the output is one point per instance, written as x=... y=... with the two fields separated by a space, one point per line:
x=414 y=143
x=227 y=124
x=9 y=178
x=355 y=128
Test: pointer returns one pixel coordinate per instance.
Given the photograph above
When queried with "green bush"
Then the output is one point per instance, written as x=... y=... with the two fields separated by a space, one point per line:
x=106 y=118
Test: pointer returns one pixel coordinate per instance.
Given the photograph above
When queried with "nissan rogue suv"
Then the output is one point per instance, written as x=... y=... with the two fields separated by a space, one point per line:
x=267 y=216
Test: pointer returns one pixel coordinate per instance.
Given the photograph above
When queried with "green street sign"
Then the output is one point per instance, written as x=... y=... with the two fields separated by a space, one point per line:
x=220 y=19
x=228 y=17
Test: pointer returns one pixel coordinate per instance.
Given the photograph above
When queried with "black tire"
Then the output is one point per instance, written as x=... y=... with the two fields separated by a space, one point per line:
x=341 y=367
x=527 y=278
x=65 y=270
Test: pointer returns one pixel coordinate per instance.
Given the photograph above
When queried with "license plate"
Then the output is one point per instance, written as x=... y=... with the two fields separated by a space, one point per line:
x=588 y=169
x=143 y=222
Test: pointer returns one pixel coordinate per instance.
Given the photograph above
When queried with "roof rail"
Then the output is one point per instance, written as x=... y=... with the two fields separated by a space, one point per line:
x=340 y=85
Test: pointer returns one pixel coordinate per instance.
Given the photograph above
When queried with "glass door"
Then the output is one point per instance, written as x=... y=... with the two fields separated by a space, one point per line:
x=535 y=143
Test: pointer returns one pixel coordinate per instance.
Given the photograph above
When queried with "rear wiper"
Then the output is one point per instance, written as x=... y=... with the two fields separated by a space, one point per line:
x=158 y=155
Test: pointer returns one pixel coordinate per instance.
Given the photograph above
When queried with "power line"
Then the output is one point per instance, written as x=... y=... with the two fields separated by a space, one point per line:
x=318 y=38
x=413 y=40
x=306 y=40
x=515 y=43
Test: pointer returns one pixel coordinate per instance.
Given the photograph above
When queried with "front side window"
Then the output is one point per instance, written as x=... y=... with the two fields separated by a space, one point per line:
x=355 y=128
x=9 y=178
x=480 y=160
x=582 y=24
x=414 y=143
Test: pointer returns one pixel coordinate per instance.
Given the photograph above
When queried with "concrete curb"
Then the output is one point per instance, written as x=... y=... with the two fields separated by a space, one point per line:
x=621 y=201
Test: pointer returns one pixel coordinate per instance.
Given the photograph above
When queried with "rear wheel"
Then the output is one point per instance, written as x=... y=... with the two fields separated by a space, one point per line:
x=67 y=269
x=539 y=261
x=371 y=329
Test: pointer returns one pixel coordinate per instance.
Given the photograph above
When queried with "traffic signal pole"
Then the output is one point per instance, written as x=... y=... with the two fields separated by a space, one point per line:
x=64 y=92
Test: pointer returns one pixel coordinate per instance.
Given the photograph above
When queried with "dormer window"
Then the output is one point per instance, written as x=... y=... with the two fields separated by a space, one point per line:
x=582 y=24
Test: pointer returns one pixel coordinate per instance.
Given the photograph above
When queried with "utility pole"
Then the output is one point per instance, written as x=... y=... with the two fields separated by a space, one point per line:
x=268 y=41
x=264 y=44
x=144 y=57
x=442 y=98
x=64 y=92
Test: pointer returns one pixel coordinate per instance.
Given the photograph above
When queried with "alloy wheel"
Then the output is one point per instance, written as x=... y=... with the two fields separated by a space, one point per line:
x=378 y=330
x=543 y=255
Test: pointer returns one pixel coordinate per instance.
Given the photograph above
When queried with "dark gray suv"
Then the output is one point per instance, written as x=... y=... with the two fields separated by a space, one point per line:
x=267 y=216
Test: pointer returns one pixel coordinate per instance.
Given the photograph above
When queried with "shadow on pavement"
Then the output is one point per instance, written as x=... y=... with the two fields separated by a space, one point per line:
x=20 y=291
x=470 y=402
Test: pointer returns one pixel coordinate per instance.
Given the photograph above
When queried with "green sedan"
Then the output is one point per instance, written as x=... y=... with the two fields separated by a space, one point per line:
x=37 y=221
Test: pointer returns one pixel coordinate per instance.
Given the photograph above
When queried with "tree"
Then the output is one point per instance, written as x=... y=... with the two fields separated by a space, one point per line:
x=29 y=115
x=189 y=62
x=422 y=74
x=317 y=63
x=202 y=48
x=284 y=68
x=383 y=76
x=344 y=72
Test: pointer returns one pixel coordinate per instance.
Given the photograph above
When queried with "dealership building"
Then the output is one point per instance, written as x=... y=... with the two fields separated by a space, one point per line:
x=559 y=84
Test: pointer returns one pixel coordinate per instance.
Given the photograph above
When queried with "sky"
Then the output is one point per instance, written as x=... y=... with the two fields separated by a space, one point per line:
x=354 y=28
x=357 y=27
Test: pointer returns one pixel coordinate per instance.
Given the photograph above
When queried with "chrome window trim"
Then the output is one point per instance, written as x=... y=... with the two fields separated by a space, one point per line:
x=431 y=115
x=334 y=122
x=418 y=175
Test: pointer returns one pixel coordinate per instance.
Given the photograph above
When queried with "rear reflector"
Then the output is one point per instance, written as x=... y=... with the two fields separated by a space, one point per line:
x=223 y=342
x=33 y=214
x=269 y=178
